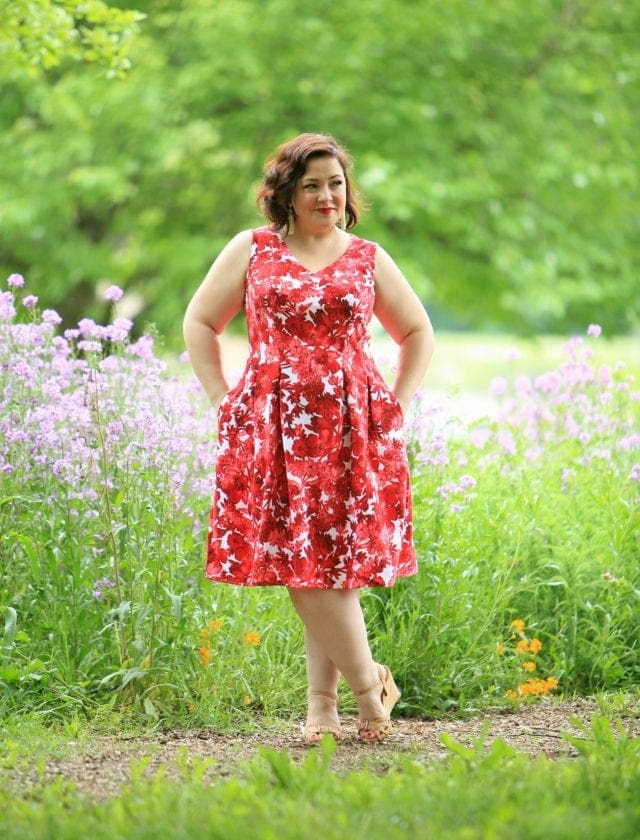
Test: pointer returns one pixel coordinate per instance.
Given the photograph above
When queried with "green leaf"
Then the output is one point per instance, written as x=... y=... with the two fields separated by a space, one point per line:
x=10 y=622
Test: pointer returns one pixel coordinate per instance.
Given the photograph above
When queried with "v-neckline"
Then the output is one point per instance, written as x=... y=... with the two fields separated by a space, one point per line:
x=293 y=257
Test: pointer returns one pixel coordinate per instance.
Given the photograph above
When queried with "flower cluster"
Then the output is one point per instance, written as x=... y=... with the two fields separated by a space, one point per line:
x=251 y=639
x=533 y=687
x=91 y=408
x=462 y=489
x=523 y=651
x=100 y=585
x=206 y=636
x=589 y=409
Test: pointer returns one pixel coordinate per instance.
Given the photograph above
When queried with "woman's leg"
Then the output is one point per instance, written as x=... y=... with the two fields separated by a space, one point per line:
x=322 y=678
x=335 y=625
x=322 y=674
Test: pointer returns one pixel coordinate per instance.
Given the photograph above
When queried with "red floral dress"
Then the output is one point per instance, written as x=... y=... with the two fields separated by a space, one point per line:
x=312 y=485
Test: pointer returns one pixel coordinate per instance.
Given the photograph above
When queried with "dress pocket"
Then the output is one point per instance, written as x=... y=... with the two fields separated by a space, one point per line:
x=385 y=412
x=234 y=400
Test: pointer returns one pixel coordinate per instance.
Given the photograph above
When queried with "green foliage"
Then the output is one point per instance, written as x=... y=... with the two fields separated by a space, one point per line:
x=495 y=143
x=39 y=35
x=482 y=791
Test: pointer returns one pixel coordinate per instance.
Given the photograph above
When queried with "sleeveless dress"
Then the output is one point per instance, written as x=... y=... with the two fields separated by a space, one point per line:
x=312 y=485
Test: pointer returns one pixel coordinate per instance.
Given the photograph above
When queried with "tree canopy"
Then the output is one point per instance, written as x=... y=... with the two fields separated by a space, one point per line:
x=495 y=144
x=38 y=35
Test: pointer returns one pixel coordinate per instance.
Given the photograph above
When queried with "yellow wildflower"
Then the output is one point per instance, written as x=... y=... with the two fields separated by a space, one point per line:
x=191 y=708
x=522 y=646
x=205 y=655
x=518 y=624
x=251 y=639
x=500 y=649
x=529 y=666
x=535 y=646
x=247 y=700
x=214 y=625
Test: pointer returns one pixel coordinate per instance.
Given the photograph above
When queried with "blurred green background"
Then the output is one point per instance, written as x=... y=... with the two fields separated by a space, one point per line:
x=496 y=144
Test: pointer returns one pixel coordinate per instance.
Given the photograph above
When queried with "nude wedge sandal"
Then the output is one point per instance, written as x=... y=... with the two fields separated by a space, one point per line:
x=389 y=696
x=313 y=731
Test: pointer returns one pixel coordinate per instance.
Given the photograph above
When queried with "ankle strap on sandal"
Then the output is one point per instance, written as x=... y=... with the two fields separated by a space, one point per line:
x=377 y=685
x=313 y=692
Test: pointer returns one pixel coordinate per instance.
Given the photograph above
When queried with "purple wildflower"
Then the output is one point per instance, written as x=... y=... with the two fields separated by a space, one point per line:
x=594 y=330
x=87 y=327
x=498 y=386
x=629 y=442
x=549 y=382
x=15 y=280
x=90 y=346
x=100 y=585
x=50 y=316
x=480 y=436
x=142 y=348
x=7 y=309
x=113 y=293
x=29 y=301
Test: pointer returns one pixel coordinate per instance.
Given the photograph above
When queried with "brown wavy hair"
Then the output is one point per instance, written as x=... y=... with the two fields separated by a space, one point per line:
x=288 y=165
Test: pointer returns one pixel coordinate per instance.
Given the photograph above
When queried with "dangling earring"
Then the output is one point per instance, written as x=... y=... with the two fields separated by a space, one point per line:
x=342 y=223
x=291 y=222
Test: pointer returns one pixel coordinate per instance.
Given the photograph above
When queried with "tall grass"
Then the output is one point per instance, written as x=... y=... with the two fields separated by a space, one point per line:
x=530 y=515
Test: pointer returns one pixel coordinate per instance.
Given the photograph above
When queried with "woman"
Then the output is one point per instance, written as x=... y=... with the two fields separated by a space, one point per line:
x=312 y=483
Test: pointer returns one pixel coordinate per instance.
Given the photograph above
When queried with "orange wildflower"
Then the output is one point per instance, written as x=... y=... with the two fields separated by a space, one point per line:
x=191 y=708
x=205 y=655
x=522 y=646
x=534 y=687
x=535 y=646
x=529 y=666
x=251 y=639
x=518 y=625
x=214 y=625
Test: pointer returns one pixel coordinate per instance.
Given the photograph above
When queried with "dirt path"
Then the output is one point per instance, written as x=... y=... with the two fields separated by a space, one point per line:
x=101 y=767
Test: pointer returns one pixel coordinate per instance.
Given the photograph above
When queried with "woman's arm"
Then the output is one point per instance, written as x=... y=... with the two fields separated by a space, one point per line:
x=402 y=315
x=219 y=297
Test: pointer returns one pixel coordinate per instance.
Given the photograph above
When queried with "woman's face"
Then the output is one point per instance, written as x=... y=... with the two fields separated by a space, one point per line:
x=320 y=195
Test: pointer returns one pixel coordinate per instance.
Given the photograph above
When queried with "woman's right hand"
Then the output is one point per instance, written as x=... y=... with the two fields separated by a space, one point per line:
x=216 y=399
